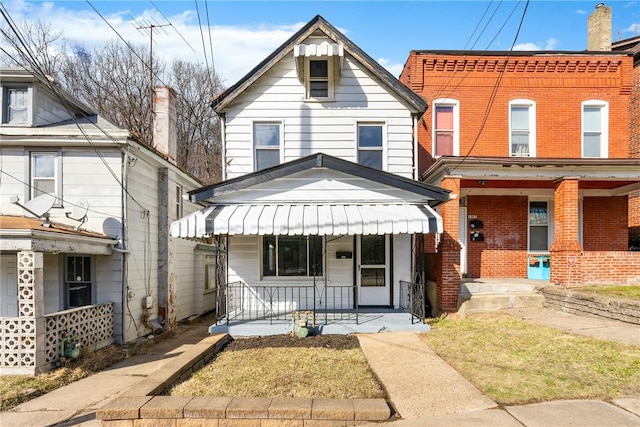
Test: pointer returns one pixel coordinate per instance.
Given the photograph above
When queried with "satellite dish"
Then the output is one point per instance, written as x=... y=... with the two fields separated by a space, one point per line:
x=79 y=212
x=38 y=206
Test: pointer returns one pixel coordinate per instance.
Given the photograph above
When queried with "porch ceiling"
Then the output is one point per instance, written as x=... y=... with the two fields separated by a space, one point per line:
x=308 y=219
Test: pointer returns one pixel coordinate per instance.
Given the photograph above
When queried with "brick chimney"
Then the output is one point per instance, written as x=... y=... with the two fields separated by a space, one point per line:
x=599 y=29
x=164 y=123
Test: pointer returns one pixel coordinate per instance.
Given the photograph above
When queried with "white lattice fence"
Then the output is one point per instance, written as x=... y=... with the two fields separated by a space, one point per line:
x=92 y=326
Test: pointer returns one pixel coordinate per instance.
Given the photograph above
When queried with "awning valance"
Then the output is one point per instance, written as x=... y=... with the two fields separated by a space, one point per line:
x=301 y=219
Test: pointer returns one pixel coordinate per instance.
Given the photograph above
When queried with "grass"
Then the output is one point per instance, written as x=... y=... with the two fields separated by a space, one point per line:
x=617 y=291
x=285 y=372
x=16 y=389
x=516 y=362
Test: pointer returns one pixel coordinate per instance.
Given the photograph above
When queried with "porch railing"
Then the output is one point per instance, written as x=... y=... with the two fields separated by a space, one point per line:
x=412 y=299
x=278 y=302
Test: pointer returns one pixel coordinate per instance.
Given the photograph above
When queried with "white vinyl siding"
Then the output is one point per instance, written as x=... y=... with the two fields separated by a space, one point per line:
x=313 y=127
x=595 y=129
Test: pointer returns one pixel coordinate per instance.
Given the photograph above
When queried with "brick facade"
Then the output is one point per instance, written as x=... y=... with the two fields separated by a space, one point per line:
x=481 y=86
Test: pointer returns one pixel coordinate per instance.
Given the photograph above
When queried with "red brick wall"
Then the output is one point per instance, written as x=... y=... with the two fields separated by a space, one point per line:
x=610 y=268
x=634 y=123
x=504 y=250
x=557 y=85
x=604 y=223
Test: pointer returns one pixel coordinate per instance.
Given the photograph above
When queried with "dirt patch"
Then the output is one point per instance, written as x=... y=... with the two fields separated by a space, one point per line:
x=337 y=342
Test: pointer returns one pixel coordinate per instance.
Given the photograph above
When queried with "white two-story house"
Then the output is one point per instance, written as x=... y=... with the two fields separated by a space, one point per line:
x=85 y=255
x=319 y=207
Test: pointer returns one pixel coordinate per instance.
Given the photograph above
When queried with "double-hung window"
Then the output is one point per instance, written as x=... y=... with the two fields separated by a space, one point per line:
x=266 y=141
x=522 y=126
x=538 y=226
x=595 y=129
x=370 y=145
x=318 y=79
x=284 y=256
x=44 y=174
x=78 y=281
x=179 y=204
x=15 y=105
x=446 y=128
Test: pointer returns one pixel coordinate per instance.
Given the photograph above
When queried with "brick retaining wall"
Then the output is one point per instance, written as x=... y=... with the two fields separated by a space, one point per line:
x=142 y=405
x=585 y=303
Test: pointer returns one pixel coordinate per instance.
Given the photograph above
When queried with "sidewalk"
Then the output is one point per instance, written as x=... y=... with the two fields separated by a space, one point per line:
x=423 y=388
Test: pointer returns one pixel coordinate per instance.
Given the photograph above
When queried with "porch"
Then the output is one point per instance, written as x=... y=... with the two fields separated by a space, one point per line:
x=306 y=310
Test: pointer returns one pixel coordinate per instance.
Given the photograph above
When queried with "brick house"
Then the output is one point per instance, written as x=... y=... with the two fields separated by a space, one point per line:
x=538 y=148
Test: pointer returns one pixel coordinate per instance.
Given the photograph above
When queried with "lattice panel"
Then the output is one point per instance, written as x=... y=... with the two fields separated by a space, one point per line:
x=18 y=344
x=91 y=325
x=26 y=284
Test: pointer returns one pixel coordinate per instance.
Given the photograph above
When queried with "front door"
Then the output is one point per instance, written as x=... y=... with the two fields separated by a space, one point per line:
x=373 y=272
x=8 y=287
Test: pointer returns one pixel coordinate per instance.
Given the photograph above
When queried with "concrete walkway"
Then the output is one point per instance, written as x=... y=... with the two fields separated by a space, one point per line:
x=423 y=388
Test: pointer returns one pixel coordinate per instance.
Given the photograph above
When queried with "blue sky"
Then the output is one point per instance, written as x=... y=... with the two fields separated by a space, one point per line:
x=244 y=32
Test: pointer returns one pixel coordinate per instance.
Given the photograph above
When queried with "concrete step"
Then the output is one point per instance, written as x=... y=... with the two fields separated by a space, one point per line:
x=484 y=302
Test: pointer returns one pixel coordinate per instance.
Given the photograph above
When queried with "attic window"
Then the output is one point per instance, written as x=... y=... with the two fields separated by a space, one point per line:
x=15 y=105
x=318 y=66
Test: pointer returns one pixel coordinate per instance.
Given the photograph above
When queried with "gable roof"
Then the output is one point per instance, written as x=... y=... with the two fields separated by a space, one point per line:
x=220 y=101
x=320 y=160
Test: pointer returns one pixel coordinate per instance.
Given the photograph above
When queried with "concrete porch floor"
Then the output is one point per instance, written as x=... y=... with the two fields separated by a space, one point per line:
x=369 y=321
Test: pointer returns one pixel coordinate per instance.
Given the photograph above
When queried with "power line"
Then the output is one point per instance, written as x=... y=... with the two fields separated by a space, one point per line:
x=206 y=6
x=173 y=26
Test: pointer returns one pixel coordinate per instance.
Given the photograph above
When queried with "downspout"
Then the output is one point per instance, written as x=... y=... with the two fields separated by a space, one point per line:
x=223 y=149
x=123 y=268
x=416 y=176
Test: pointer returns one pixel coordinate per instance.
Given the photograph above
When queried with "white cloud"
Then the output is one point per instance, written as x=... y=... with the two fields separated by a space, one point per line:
x=394 y=69
x=236 y=50
x=550 y=44
x=581 y=12
x=633 y=28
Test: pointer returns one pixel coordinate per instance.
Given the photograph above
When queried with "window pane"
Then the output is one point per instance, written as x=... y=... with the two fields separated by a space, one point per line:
x=372 y=248
x=315 y=256
x=371 y=158
x=592 y=119
x=444 y=117
x=538 y=239
x=266 y=135
x=44 y=165
x=520 y=143
x=269 y=256
x=319 y=68
x=591 y=145
x=370 y=136
x=43 y=186
x=372 y=277
x=538 y=213
x=79 y=295
x=444 y=143
x=17 y=106
x=267 y=158
x=520 y=118
x=292 y=256
x=319 y=89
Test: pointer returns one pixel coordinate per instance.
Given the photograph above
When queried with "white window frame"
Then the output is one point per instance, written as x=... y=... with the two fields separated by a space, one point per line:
x=550 y=224
x=382 y=148
x=57 y=178
x=446 y=102
x=531 y=105
x=604 y=126
x=308 y=79
x=257 y=148
x=4 y=105
x=210 y=283
x=179 y=202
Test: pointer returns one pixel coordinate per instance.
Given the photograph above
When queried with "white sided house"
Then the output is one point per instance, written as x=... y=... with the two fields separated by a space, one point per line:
x=85 y=256
x=320 y=209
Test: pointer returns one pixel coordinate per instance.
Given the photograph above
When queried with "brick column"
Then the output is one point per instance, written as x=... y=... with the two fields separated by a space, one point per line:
x=566 y=250
x=448 y=286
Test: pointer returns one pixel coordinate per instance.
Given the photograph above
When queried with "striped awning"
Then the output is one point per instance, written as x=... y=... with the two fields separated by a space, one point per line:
x=308 y=219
